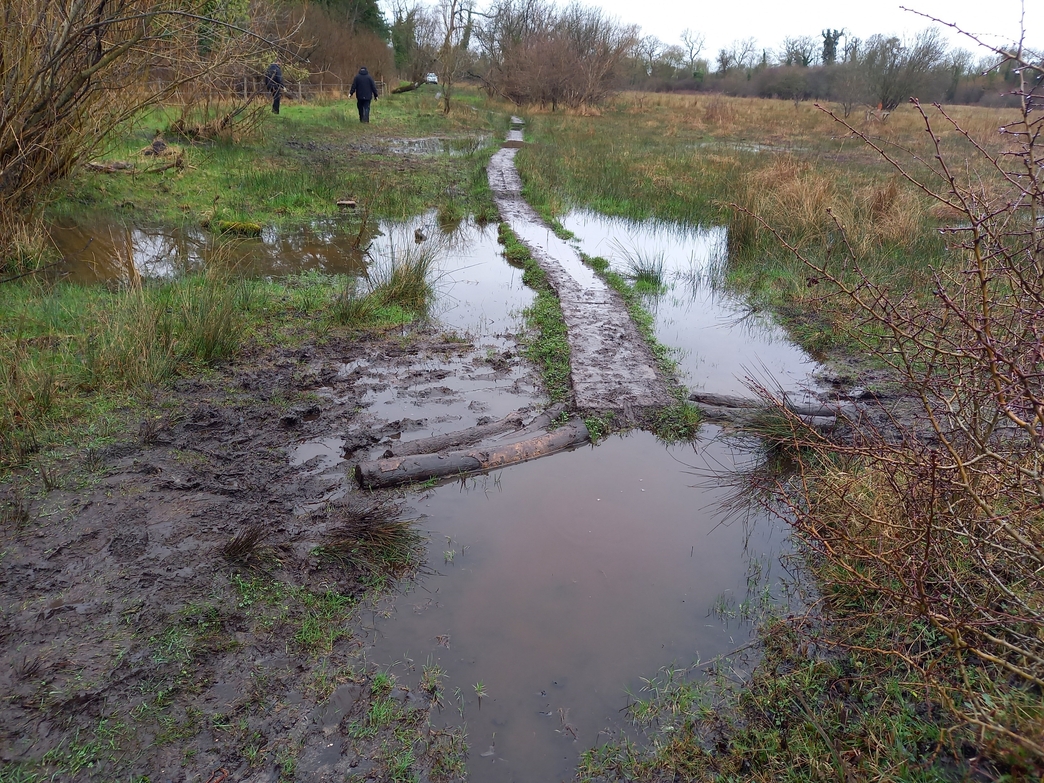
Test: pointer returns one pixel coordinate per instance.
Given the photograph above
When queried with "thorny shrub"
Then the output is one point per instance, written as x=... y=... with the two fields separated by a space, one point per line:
x=936 y=520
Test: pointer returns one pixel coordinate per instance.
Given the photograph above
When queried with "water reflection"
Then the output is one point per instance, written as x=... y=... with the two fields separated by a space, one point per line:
x=717 y=339
x=107 y=250
x=562 y=582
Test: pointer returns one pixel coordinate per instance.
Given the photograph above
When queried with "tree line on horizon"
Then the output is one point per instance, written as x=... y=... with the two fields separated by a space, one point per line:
x=72 y=74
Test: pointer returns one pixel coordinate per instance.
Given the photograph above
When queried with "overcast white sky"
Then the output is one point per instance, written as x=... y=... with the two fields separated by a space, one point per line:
x=770 y=21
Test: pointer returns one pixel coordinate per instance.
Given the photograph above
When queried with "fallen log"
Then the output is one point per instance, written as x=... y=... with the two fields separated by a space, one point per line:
x=818 y=409
x=397 y=471
x=110 y=167
x=750 y=417
x=450 y=440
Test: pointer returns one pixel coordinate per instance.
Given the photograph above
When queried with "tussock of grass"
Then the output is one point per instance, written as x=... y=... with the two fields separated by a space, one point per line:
x=64 y=343
x=372 y=540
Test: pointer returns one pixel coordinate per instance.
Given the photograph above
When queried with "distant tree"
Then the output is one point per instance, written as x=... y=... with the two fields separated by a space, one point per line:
x=670 y=62
x=848 y=85
x=536 y=53
x=896 y=69
x=693 y=45
x=830 y=41
x=960 y=63
x=740 y=54
x=415 y=39
x=853 y=47
x=455 y=19
x=359 y=15
x=800 y=50
x=726 y=61
x=646 y=50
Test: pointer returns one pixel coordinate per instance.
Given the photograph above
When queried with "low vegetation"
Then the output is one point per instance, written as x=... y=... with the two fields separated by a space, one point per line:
x=547 y=346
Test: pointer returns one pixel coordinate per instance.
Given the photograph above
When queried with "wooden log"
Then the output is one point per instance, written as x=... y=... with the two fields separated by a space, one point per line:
x=818 y=409
x=455 y=440
x=748 y=417
x=396 y=471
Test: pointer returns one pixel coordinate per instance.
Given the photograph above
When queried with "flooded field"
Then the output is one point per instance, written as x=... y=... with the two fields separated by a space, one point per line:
x=558 y=585
x=561 y=583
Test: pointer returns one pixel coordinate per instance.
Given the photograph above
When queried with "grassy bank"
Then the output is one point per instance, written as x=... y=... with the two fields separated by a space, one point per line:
x=303 y=161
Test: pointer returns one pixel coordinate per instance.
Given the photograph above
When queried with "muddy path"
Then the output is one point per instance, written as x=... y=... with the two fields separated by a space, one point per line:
x=133 y=645
x=612 y=368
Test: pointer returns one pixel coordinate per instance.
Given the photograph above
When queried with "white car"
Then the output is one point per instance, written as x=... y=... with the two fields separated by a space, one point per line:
x=432 y=78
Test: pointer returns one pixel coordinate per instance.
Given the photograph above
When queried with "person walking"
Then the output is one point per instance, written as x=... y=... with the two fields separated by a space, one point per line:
x=274 y=84
x=364 y=88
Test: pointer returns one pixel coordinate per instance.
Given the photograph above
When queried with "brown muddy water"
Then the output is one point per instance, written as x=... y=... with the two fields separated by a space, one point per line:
x=558 y=585
x=561 y=583
x=107 y=250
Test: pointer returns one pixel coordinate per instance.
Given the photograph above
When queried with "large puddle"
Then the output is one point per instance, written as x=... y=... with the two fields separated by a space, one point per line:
x=560 y=583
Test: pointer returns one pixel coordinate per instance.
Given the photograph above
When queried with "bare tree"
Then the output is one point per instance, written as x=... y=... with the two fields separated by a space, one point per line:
x=646 y=50
x=693 y=45
x=897 y=69
x=538 y=54
x=933 y=520
x=800 y=50
x=456 y=24
x=72 y=71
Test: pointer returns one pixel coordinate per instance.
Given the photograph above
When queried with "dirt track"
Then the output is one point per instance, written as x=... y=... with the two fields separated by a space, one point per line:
x=131 y=647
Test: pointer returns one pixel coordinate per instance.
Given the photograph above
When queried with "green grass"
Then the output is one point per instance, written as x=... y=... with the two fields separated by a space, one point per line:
x=547 y=346
x=305 y=159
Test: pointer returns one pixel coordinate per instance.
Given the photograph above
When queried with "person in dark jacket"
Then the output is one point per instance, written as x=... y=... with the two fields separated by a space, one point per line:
x=364 y=88
x=274 y=84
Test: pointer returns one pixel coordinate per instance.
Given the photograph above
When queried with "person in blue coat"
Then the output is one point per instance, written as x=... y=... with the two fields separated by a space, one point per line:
x=274 y=84
x=364 y=88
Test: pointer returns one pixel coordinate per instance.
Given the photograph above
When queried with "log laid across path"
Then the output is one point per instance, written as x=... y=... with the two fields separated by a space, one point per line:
x=397 y=471
x=743 y=411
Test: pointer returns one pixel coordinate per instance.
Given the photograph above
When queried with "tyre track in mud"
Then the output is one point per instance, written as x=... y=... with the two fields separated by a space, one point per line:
x=612 y=368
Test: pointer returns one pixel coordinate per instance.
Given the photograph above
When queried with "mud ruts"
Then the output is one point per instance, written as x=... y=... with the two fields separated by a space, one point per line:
x=612 y=366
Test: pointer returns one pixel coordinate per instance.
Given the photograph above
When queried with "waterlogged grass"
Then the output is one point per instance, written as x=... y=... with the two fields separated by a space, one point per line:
x=75 y=353
x=305 y=159
x=681 y=420
x=548 y=348
x=737 y=162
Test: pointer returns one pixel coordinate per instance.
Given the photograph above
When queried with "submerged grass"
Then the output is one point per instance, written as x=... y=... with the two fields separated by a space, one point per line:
x=680 y=421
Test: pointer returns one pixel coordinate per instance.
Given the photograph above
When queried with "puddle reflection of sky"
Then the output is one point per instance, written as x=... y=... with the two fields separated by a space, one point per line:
x=715 y=339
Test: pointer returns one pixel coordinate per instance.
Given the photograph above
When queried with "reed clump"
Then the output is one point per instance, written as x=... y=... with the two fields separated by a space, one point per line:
x=67 y=342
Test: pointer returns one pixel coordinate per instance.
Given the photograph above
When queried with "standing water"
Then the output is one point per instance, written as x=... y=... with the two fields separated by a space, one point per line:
x=560 y=584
